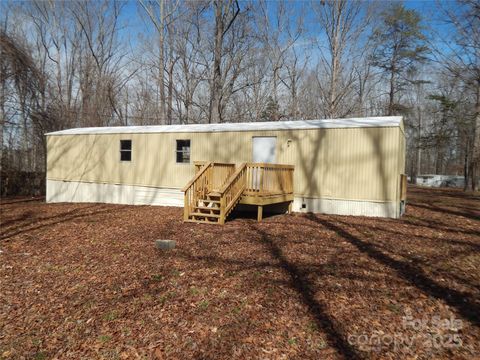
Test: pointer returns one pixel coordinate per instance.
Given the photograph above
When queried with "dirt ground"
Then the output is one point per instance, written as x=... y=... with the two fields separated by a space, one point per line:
x=85 y=281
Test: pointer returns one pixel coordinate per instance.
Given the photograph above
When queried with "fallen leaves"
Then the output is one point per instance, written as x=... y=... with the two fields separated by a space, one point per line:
x=85 y=281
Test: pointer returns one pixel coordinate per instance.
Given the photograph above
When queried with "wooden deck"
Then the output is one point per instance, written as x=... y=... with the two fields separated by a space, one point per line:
x=217 y=188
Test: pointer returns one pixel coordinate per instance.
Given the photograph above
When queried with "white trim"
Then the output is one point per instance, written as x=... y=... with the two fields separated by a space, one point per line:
x=384 y=121
x=74 y=191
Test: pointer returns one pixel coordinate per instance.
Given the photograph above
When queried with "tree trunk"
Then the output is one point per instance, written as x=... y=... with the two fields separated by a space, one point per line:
x=275 y=114
x=216 y=86
x=3 y=72
x=171 y=64
x=476 y=141
x=294 y=95
x=332 y=101
x=126 y=106
x=391 y=97
x=466 y=167
x=161 y=64
x=170 y=94
x=419 y=148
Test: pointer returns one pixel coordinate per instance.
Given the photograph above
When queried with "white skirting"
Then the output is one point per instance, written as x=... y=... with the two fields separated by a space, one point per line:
x=347 y=207
x=73 y=191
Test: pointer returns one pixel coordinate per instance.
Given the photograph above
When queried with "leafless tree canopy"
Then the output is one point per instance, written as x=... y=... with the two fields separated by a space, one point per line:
x=75 y=63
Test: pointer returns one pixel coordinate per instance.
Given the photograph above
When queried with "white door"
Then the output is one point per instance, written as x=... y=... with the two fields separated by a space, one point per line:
x=264 y=149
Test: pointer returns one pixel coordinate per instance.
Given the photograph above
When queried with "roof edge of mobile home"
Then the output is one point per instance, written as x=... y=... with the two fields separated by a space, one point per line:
x=383 y=121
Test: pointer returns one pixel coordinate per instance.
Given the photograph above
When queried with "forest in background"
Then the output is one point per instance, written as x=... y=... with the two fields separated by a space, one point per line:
x=66 y=64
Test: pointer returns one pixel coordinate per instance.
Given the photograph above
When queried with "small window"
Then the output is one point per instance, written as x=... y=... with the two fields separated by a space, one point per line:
x=125 y=150
x=183 y=151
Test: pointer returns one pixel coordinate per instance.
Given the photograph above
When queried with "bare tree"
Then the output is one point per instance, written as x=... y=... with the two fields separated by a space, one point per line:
x=226 y=12
x=227 y=60
x=162 y=15
x=343 y=23
x=463 y=62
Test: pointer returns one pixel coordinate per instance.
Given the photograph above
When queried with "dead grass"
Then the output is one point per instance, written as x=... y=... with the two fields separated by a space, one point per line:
x=85 y=281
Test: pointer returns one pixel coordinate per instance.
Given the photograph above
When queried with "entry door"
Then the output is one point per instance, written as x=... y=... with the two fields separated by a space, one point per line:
x=264 y=149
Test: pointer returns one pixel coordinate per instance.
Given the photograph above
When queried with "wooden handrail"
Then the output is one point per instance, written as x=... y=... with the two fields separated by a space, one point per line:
x=231 y=192
x=197 y=175
x=273 y=166
x=214 y=162
x=232 y=177
x=269 y=179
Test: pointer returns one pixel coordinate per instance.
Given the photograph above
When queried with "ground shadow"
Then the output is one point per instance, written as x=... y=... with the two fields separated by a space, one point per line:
x=430 y=223
x=56 y=220
x=21 y=223
x=25 y=216
x=250 y=214
x=23 y=200
x=299 y=281
x=467 y=306
x=467 y=214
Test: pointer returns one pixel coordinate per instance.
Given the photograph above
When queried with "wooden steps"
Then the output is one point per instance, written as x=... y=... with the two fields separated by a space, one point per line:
x=203 y=222
x=211 y=201
x=195 y=215
x=207 y=210
x=217 y=188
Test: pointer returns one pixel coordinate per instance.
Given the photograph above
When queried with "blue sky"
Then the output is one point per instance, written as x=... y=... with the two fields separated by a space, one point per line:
x=427 y=8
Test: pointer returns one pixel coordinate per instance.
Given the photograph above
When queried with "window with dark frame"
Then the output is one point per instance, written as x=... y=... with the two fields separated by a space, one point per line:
x=125 y=150
x=183 y=151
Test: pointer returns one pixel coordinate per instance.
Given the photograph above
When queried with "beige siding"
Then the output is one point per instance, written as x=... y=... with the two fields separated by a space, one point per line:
x=401 y=153
x=355 y=163
x=401 y=157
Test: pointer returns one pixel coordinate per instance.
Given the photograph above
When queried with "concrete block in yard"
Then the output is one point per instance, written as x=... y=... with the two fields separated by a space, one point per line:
x=165 y=244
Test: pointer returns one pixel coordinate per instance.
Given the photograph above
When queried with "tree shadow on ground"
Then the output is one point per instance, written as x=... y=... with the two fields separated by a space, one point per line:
x=441 y=192
x=25 y=216
x=30 y=218
x=430 y=223
x=467 y=306
x=13 y=201
x=54 y=220
x=432 y=226
x=467 y=214
x=430 y=261
x=299 y=281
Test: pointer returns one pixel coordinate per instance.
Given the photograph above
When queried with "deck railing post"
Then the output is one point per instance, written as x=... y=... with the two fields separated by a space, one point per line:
x=222 y=210
x=259 y=213
x=262 y=170
x=186 y=206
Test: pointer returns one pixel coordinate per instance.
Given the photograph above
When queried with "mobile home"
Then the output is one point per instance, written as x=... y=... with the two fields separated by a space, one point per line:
x=335 y=166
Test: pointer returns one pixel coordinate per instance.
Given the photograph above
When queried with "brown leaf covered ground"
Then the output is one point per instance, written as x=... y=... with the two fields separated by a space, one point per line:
x=85 y=281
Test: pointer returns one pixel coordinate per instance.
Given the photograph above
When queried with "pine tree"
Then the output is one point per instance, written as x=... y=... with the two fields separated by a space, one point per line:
x=399 y=47
x=271 y=111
